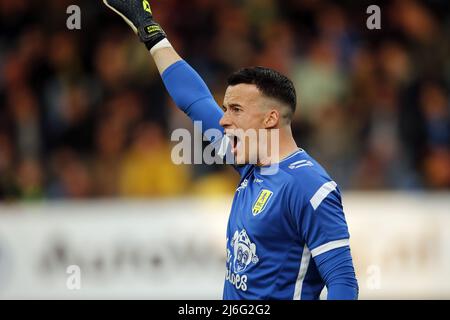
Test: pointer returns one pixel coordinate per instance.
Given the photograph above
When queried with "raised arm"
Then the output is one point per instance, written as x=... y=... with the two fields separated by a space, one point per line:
x=183 y=83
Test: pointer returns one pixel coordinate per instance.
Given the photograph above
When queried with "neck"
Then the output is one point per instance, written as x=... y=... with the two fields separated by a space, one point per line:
x=286 y=147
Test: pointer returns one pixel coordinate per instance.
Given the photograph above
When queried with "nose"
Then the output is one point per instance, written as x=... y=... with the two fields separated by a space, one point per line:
x=225 y=121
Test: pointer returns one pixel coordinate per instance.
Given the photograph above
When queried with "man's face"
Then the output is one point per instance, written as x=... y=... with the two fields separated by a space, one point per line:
x=244 y=108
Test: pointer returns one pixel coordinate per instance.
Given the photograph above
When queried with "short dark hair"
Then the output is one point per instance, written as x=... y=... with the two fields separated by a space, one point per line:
x=270 y=82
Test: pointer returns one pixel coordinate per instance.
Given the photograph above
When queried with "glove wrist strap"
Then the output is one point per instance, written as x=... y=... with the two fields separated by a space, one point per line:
x=151 y=34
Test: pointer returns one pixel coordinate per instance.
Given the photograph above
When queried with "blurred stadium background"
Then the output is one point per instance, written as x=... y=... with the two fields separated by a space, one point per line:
x=86 y=176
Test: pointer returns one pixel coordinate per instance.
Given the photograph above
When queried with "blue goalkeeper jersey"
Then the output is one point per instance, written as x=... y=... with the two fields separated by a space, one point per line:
x=287 y=236
x=278 y=224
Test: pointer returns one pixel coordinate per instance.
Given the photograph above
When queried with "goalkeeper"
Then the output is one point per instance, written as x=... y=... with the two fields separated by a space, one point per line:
x=287 y=236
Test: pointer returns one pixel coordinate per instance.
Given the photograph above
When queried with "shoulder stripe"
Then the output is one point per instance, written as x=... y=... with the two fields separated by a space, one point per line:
x=330 y=246
x=322 y=193
x=301 y=163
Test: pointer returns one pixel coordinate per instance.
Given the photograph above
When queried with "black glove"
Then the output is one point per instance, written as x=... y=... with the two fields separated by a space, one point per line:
x=138 y=15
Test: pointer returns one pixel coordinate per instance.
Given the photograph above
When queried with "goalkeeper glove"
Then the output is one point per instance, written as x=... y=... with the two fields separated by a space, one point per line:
x=138 y=15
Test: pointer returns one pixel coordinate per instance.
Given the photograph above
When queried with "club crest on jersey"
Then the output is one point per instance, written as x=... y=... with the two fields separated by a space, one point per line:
x=261 y=203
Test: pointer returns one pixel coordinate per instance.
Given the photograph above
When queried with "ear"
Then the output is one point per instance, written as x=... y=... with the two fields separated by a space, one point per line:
x=272 y=119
